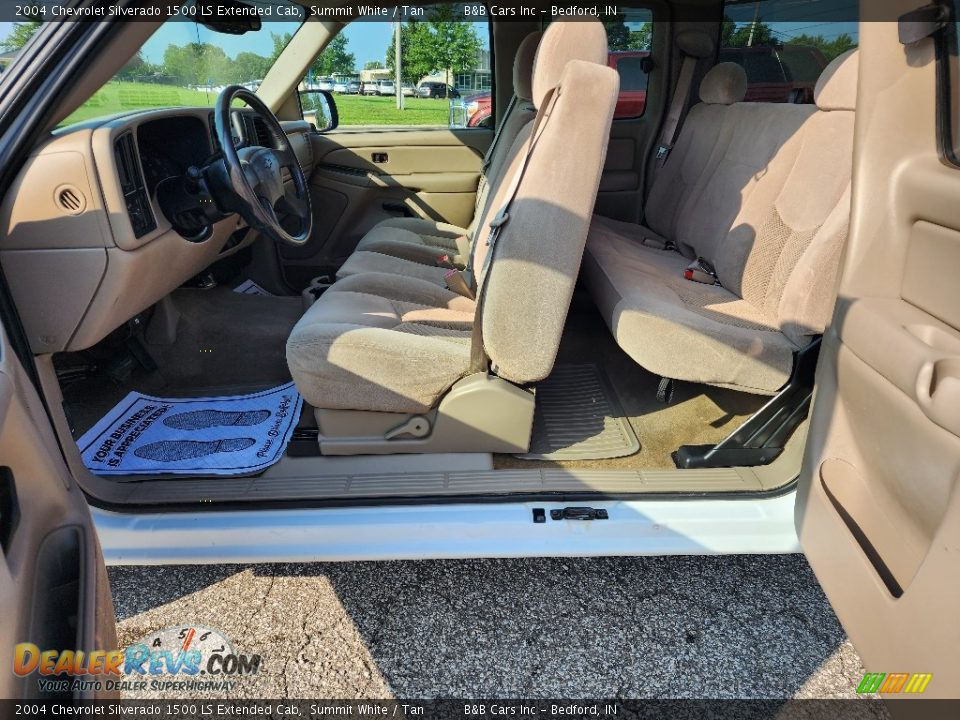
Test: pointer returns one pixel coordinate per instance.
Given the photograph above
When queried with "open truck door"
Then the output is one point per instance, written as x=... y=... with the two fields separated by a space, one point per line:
x=53 y=582
x=878 y=509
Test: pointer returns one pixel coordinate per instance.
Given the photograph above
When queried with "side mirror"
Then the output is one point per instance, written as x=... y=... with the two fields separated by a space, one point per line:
x=319 y=108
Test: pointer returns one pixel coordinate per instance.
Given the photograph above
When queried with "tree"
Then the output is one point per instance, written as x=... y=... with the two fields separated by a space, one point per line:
x=197 y=64
x=335 y=59
x=139 y=68
x=830 y=48
x=249 y=66
x=280 y=41
x=642 y=39
x=373 y=65
x=445 y=43
x=20 y=35
x=751 y=34
x=618 y=34
x=415 y=61
x=452 y=43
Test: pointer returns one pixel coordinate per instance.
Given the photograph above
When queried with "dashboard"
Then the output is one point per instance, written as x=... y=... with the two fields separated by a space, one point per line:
x=83 y=239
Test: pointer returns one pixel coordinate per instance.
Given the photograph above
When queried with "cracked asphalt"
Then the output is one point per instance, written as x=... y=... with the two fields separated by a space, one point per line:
x=668 y=627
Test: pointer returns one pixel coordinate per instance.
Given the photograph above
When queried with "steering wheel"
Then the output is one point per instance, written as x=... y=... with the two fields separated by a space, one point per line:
x=254 y=174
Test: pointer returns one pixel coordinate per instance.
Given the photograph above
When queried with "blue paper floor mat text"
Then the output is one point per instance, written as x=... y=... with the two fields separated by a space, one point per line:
x=236 y=435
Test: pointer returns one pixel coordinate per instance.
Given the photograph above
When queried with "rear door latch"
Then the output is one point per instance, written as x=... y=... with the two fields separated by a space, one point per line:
x=579 y=513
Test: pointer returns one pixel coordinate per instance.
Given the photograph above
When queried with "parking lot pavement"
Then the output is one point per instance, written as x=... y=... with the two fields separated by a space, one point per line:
x=749 y=626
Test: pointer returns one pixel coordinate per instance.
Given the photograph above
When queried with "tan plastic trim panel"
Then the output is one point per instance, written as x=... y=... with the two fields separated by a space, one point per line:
x=76 y=269
x=878 y=508
x=52 y=543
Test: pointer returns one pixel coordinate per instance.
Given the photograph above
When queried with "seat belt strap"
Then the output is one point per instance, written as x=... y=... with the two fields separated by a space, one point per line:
x=479 y=361
x=488 y=156
x=671 y=125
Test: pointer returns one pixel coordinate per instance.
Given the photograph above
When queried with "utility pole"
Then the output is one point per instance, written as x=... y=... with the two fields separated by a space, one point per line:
x=397 y=85
x=753 y=25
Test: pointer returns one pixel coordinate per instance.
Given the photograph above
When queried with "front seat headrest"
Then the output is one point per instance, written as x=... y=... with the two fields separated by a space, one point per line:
x=725 y=84
x=523 y=66
x=562 y=42
x=836 y=87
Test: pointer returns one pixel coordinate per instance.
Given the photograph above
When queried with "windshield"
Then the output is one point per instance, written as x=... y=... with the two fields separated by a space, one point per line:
x=187 y=64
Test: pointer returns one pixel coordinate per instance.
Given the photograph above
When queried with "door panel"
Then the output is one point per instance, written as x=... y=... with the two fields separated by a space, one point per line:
x=362 y=177
x=53 y=585
x=878 y=508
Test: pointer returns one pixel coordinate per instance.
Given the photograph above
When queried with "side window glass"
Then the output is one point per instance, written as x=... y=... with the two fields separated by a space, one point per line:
x=784 y=46
x=630 y=33
x=445 y=69
x=950 y=89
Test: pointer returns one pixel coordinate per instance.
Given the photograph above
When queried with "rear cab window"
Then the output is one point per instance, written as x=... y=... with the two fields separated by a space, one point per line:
x=629 y=39
x=630 y=34
x=783 y=45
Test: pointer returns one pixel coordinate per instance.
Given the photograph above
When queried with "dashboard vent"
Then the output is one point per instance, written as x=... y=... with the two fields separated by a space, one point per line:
x=212 y=124
x=132 y=185
x=70 y=200
x=258 y=133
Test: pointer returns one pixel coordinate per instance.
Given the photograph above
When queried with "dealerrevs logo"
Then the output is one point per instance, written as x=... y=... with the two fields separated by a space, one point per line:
x=183 y=657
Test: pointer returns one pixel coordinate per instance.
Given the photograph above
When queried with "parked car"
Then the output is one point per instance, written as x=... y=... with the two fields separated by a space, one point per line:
x=386 y=87
x=353 y=87
x=437 y=90
x=408 y=90
x=340 y=86
x=325 y=83
x=368 y=88
x=479 y=109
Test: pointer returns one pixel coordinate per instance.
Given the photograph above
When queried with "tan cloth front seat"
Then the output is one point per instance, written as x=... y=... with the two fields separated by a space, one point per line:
x=411 y=246
x=381 y=342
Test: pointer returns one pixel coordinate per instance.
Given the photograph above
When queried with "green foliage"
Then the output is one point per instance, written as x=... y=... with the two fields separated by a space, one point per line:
x=373 y=65
x=197 y=64
x=335 y=59
x=829 y=48
x=621 y=37
x=249 y=66
x=746 y=35
x=618 y=34
x=453 y=44
x=19 y=35
x=443 y=44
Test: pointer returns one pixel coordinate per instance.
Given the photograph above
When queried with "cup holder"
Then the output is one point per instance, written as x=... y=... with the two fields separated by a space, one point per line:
x=315 y=289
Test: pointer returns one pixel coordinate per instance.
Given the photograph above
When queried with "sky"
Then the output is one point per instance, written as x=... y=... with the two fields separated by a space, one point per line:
x=370 y=40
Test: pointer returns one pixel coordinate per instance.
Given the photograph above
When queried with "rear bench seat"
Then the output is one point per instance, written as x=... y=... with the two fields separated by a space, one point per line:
x=761 y=191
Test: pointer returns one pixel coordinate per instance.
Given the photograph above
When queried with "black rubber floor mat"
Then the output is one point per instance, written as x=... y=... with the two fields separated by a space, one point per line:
x=578 y=417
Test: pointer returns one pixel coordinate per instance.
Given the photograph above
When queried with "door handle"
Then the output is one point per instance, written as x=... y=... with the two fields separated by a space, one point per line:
x=938 y=393
x=379 y=157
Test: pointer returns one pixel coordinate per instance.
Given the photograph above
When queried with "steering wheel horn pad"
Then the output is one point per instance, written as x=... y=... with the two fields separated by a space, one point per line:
x=254 y=174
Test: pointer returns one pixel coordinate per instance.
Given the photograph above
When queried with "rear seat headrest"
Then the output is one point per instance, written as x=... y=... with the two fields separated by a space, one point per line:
x=836 y=88
x=725 y=84
x=523 y=66
x=695 y=43
x=562 y=42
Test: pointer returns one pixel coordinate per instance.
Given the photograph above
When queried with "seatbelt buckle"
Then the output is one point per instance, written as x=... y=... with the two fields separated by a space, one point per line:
x=444 y=261
x=702 y=272
x=456 y=281
x=664 y=150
